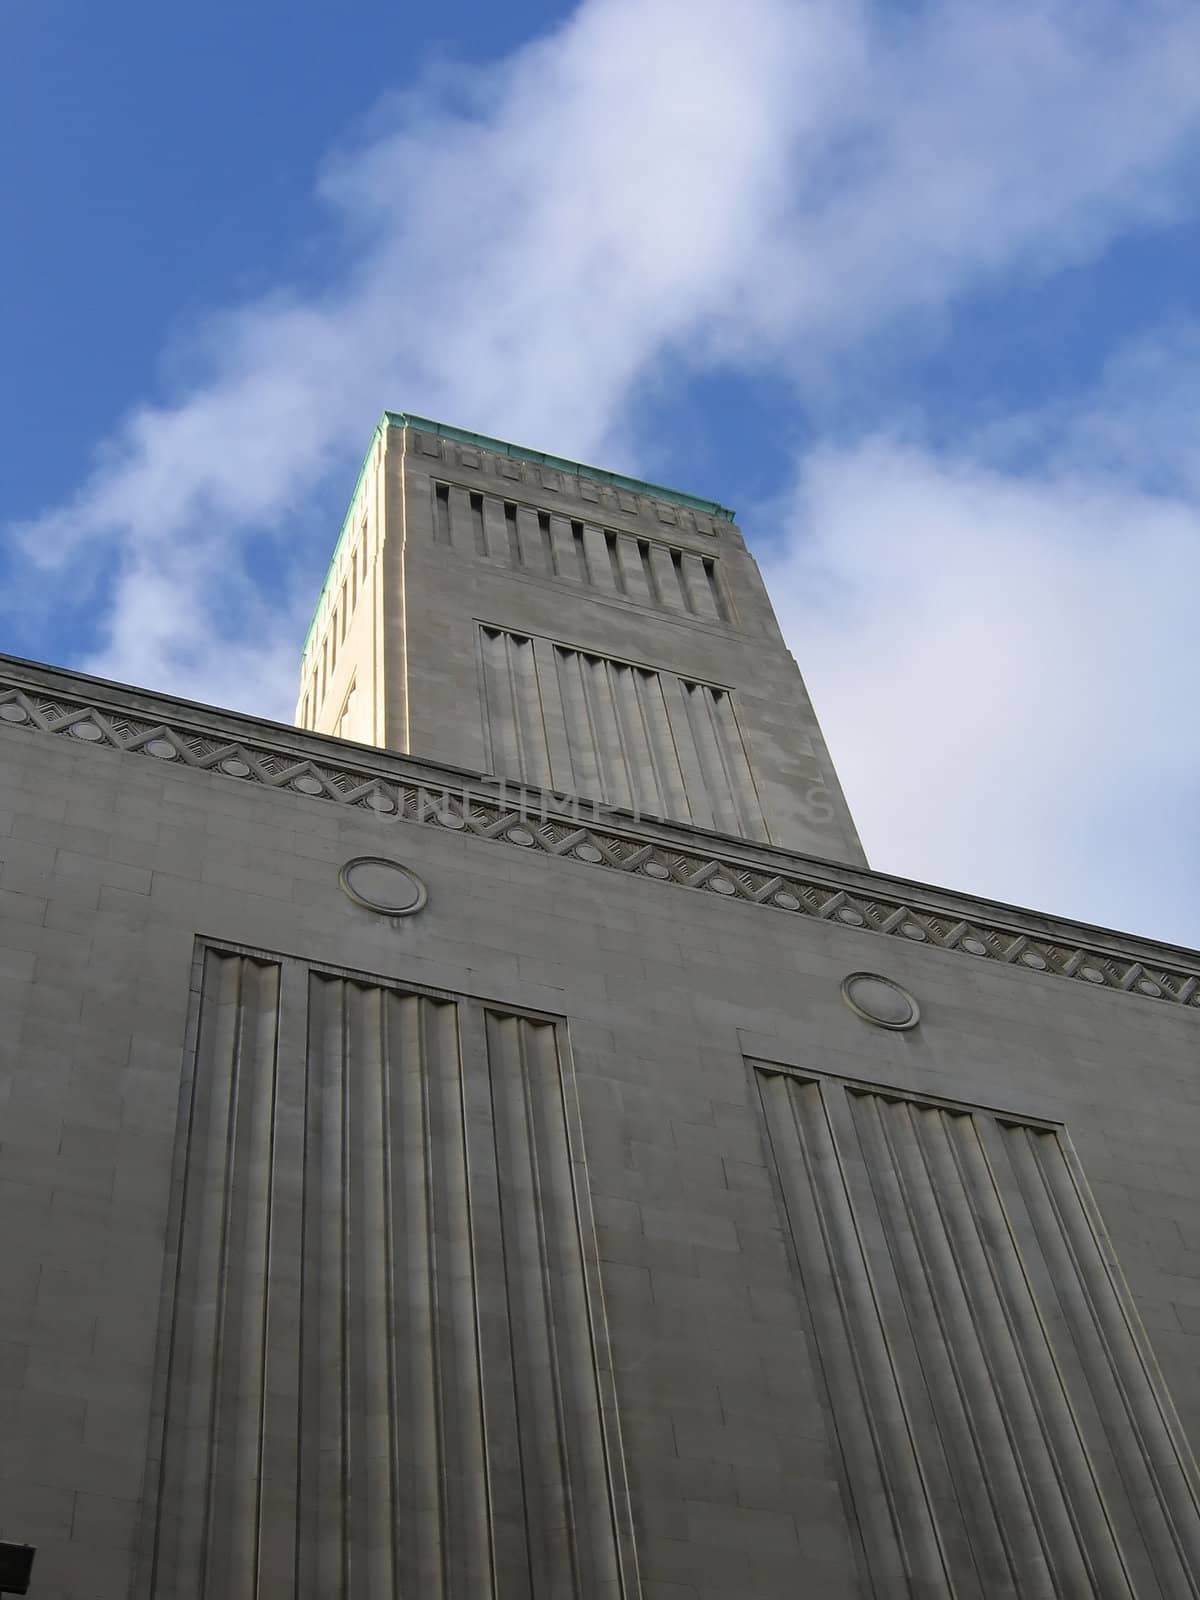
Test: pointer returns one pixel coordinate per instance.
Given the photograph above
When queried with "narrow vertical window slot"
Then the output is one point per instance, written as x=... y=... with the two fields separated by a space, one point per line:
x=710 y=573
x=677 y=568
x=580 y=551
x=515 y=555
x=549 y=557
x=441 y=517
x=614 y=561
x=648 y=571
x=345 y=610
x=477 y=524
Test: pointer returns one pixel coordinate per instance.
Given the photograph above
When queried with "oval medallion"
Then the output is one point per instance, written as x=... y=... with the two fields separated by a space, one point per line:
x=877 y=999
x=382 y=885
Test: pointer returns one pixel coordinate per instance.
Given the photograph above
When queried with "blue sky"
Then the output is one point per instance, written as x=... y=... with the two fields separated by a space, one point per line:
x=914 y=286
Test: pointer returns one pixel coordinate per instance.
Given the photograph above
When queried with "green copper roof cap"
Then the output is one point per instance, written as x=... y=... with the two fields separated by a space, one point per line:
x=516 y=452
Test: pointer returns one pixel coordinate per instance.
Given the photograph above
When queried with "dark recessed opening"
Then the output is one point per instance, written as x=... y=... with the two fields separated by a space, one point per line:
x=16 y=1567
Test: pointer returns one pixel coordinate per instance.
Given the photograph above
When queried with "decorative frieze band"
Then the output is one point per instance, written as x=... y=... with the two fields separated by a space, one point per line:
x=572 y=485
x=508 y=815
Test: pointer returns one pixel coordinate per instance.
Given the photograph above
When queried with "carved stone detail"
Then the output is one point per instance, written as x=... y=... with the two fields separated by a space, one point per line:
x=458 y=806
x=385 y=1286
x=880 y=1000
x=985 y=1369
x=380 y=884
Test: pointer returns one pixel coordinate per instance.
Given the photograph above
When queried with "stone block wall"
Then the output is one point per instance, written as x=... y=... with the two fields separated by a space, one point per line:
x=506 y=1202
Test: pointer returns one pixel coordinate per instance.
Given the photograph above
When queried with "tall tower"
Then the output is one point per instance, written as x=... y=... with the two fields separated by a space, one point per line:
x=526 y=617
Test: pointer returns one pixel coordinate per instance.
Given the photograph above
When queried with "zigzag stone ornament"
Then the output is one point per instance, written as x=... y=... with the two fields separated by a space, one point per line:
x=525 y=818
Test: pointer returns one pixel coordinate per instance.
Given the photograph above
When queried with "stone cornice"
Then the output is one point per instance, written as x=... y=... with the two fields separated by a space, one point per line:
x=247 y=750
x=572 y=469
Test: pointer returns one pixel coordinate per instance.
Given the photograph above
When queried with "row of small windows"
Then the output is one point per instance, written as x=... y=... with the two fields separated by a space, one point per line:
x=643 y=570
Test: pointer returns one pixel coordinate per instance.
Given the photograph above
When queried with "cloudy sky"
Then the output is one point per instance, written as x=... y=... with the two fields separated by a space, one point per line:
x=913 y=285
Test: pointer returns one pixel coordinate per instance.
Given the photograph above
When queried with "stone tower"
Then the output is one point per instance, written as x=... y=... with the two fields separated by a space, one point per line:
x=518 y=1150
x=525 y=617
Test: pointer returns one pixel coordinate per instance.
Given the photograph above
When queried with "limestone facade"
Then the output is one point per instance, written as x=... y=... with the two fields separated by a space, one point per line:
x=524 y=617
x=417 y=1180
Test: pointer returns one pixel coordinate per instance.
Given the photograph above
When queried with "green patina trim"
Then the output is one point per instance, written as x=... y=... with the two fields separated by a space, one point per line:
x=501 y=447
x=575 y=469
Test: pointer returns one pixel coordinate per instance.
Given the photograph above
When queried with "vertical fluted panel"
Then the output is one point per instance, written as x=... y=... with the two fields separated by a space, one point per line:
x=635 y=738
x=573 y=1542
x=383 y=1377
x=583 y=732
x=894 y=1520
x=393 y=1472
x=513 y=705
x=603 y=723
x=371 y=1457
x=721 y=758
x=667 y=794
x=1131 y=1424
x=1001 y=1428
x=323 y=1552
x=207 y=1525
x=632 y=690
x=1003 y=1521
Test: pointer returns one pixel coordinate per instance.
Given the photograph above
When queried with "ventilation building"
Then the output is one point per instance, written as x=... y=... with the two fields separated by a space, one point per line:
x=497 y=1139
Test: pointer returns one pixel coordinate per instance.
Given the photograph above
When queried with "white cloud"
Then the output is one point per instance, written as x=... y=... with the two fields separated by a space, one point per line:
x=659 y=181
x=666 y=185
x=1005 y=663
